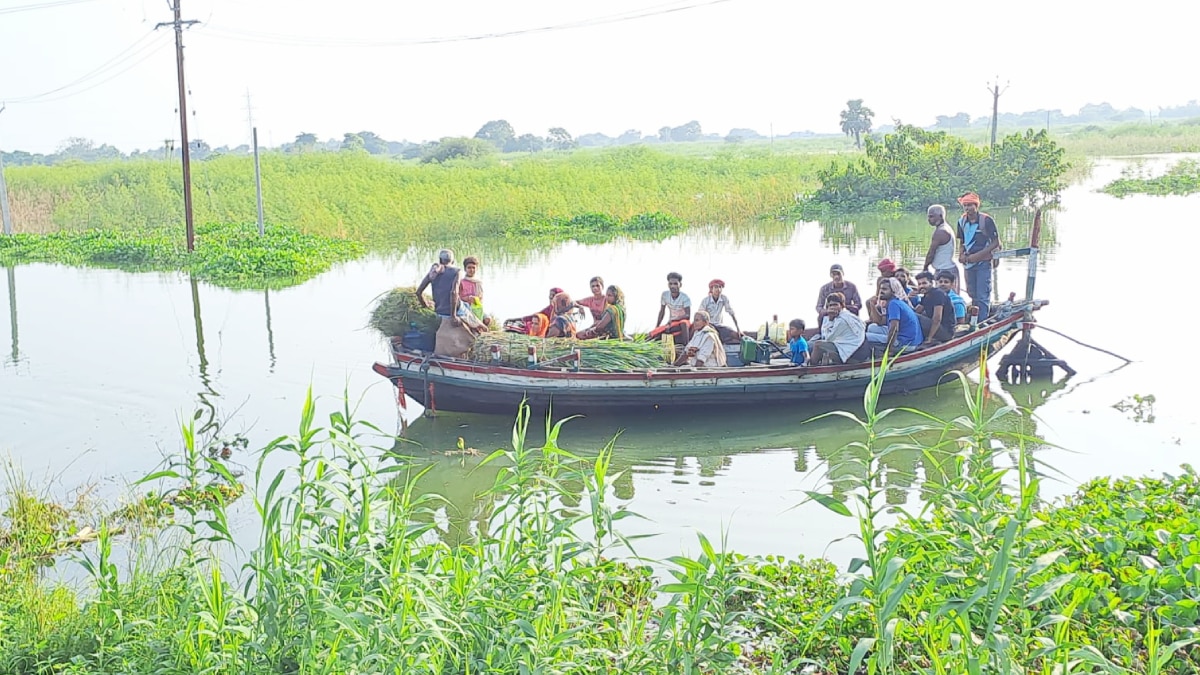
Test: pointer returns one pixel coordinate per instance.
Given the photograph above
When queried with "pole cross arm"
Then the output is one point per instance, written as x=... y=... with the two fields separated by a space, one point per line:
x=1013 y=252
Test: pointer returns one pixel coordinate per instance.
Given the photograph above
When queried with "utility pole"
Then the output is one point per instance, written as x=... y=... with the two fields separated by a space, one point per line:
x=179 y=23
x=995 y=91
x=5 y=214
x=258 y=181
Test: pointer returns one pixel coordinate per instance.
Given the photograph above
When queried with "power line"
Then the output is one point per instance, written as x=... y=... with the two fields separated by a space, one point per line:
x=123 y=56
x=313 y=41
x=43 y=5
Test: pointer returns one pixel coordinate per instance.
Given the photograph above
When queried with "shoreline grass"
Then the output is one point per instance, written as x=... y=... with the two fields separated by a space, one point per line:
x=348 y=575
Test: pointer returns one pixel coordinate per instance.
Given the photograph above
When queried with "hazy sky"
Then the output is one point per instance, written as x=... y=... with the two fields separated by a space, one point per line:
x=350 y=65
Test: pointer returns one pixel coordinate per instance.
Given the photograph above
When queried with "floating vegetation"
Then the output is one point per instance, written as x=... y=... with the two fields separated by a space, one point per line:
x=231 y=255
x=1181 y=179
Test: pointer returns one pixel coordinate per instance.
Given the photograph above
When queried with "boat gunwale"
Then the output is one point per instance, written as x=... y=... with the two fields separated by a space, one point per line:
x=950 y=350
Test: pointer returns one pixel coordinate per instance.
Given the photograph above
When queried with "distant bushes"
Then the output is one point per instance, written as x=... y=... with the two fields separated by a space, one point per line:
x=912 y=168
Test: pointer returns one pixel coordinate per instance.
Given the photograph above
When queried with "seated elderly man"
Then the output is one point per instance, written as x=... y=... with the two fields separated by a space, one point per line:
x=704 y=350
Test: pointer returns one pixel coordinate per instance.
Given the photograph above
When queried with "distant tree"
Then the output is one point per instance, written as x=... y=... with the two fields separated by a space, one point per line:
x=304 y=141
x=687 y=132
x=200 y=149
x=738 y=135
x=353 y=143
x=496 y=132
x=630 y=136
x=559 y=139
x=960 y=121
x=856 y=120
x=527 y=143
x=457 y=148
x=664 y=134
x=373 y=143
x=595 y=140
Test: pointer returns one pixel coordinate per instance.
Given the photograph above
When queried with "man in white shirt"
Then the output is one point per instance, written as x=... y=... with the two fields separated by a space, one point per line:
x=842 y=334
x=679 y=306
x=704 y=350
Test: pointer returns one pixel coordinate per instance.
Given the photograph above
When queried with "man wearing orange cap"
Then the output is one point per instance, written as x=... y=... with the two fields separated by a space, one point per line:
x=978 y=238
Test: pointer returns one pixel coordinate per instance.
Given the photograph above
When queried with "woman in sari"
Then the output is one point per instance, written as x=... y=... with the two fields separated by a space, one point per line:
x=595 y=302
x=612 y=322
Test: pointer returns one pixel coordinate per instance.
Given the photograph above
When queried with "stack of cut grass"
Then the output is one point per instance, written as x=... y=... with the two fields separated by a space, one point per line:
x=607 y=356
x=398 y=308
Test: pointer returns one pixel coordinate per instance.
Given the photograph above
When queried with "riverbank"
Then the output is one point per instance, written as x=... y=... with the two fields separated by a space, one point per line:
x=349 y=572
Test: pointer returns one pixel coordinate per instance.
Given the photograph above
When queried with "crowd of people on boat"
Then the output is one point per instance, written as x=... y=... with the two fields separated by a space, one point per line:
x=906 y=311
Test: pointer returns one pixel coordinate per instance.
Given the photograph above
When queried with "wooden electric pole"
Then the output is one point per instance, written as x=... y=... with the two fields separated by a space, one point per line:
x=995 y=91
x=179 y=23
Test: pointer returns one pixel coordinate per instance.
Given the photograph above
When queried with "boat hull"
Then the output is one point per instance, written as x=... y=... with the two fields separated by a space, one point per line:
x=465 y=386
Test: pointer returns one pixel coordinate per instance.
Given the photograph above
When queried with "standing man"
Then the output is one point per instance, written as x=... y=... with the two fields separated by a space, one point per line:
x=851 y=302
x=940 y=256
x=979 y=238
x=446 y=280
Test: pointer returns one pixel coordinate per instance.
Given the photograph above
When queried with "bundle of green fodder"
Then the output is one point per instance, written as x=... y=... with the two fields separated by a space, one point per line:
x=396 y=309
x=608 y=356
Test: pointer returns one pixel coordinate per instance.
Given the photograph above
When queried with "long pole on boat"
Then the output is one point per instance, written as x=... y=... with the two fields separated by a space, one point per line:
x=1034 y=235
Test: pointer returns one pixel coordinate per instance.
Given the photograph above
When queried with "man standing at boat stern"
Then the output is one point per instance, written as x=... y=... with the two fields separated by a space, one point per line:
x=978 y=238
x=453 y=338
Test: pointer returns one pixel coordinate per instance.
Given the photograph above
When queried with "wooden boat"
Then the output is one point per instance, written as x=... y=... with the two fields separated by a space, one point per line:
x=441 y=383
x=470 y=386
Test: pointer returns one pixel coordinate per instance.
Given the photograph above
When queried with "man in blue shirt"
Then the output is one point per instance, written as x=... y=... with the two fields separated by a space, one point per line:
x=945 y=281
x=902 y=330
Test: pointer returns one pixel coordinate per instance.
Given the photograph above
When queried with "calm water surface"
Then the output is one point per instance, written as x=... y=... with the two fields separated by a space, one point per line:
x=101 y=366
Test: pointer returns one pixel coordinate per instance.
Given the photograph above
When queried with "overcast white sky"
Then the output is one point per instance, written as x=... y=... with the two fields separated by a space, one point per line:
x=329 y=67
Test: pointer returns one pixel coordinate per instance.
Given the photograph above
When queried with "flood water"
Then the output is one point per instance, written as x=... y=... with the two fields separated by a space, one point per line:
x=102 y=366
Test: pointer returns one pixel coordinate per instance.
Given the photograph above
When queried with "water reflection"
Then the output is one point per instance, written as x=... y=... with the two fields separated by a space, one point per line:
x=905 y=237
x=270 y=333
x=683 y=450
x=208 y=406
x=15 y=353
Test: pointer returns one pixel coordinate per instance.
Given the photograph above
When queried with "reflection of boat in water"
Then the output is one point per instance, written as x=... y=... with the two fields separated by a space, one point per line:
x=470 y=386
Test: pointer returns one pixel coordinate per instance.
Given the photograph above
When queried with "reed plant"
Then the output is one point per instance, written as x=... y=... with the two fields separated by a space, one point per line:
x=387 y=203
x=349 y=573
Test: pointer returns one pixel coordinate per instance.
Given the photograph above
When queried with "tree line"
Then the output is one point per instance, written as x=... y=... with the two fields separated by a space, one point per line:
x=500 y=136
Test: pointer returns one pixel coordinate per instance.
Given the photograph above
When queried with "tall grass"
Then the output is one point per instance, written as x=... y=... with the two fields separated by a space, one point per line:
x=348 y=574
x=388 y=202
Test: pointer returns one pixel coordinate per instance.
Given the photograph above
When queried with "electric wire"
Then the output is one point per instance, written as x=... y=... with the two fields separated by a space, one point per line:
x=121 y=57
x=43 y=5
x=313 y=41
x=154 y=48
